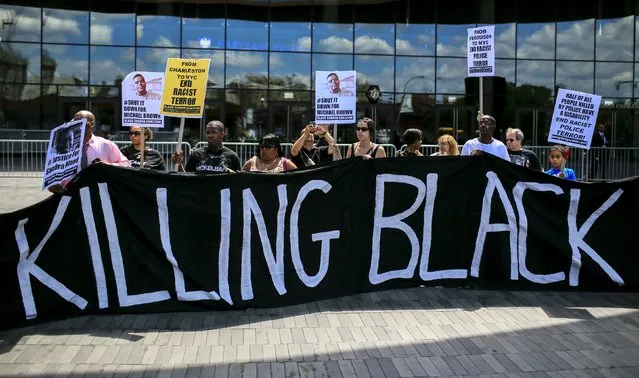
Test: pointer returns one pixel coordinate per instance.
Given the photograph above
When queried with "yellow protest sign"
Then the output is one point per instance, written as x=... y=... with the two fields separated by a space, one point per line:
x=184 y=87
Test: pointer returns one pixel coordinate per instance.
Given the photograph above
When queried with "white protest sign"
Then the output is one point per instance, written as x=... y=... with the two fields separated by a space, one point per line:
x=335 y=99
x=481 y=51
x=64 y=153
x=141 y=99
x=574 y=118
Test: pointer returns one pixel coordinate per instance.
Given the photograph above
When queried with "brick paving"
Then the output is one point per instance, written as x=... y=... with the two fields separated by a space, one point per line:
x=397 y=333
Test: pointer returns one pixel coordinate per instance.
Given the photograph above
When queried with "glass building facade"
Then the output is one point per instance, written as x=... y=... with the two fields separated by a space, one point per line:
x=57 y=57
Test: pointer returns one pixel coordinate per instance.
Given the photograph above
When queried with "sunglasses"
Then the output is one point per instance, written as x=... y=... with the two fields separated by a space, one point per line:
x=136 y=133
x=362 y=129
x=510 y=140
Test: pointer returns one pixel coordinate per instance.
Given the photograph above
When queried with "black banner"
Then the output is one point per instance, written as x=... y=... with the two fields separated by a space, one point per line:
x=124 y=240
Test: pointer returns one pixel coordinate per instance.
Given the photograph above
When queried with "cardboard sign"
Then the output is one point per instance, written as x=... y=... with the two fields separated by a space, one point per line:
x=574 y=118
x=335 y=100
x=141 y=97
x=481 y=51
x=185 y=87
x=64 y=153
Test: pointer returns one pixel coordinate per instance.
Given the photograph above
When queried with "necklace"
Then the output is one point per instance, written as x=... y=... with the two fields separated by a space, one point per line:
x=269 y=164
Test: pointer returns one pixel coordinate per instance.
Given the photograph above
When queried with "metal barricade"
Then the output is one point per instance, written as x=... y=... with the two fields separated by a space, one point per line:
x=22 y=158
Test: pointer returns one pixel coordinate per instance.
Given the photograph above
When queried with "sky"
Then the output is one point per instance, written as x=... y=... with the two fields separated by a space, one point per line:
x=300 y=48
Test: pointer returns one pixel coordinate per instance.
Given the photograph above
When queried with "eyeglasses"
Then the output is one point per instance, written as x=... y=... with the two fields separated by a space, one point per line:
x=136 y=133
x=362 y=129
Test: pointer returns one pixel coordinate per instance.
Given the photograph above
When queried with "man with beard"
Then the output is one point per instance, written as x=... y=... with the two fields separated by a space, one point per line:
x=485 y=143
x=212 y=158
x=518 y=154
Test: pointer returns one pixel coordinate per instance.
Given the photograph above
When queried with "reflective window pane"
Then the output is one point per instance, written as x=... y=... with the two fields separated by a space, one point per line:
x=613 y=41
x=70 y=63
x=160 y=31
x=375 y=39
x=290 y=36
x=614 y=79
x=450 y=75
x=505 y=68
x=536 y=77
x=505 y=43
x=246 y=69
x=203 y=26
x=65 y=26
x=246 y=35
x=333 y=38
x=216 y=66
x=330 y=62
x=415 y=39
x=375 y=70
x=536 y=41
x=451 y=40
x=154 y=59
x=415 y=75
x=20 y=23
x=109 y=65
x=20 y=62
x=578 y=76
x=290 y=71
x=576 y=40
x=112 y=29
x=17 y=104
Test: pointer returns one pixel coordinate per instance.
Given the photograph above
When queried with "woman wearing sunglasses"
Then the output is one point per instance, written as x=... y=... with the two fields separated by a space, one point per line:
x=269 y=157
x=364 y=147
x=152 y=158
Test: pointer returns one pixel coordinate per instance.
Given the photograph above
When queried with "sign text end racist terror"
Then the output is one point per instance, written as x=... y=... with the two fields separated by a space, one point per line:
x=184 y=90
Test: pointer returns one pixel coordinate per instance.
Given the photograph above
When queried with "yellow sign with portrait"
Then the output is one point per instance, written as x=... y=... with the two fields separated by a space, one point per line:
x=184 y=87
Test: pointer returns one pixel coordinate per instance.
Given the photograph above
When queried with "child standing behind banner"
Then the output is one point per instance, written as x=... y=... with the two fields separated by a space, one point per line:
x=557 y=158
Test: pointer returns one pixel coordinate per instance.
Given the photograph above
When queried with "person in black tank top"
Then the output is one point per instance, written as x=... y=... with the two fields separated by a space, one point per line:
x=364 y=147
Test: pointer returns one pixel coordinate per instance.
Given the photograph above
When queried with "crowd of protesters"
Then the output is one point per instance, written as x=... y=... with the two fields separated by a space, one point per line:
x=314 y=146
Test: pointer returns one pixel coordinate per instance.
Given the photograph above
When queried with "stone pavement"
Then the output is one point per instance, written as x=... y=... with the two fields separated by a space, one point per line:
x=411 y=332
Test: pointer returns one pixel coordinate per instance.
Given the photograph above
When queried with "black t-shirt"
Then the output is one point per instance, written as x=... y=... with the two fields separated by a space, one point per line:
x=525 y=158
x=152 y=158
x=315 y=156
x=205 y=160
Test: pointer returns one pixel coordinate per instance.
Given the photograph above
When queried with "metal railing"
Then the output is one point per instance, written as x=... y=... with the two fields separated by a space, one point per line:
x=25 y=158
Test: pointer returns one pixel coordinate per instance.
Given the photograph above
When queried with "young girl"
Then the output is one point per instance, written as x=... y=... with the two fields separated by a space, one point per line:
x=557 y=159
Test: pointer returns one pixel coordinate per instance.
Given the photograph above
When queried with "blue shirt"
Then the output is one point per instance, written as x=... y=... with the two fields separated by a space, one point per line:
x=569 y=173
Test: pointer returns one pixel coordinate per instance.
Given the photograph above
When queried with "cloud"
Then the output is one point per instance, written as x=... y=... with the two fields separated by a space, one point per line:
x=107 y=70
x=535 y=72
x=57 y=29
x=336 y=44
x=411 y=69
x=303 y=44
x=101 y=34
x=576 y=41
x=614 y=39
x=245 y=59
x=539 y=44
x=505 y=42
x=450 y=75
x=576 y=75
x=367 y=44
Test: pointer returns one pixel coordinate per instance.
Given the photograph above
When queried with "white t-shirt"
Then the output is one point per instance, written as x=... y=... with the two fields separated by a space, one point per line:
x=496 y=148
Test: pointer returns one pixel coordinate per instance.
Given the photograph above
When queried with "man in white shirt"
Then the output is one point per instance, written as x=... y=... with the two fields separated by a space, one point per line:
x=485 y=142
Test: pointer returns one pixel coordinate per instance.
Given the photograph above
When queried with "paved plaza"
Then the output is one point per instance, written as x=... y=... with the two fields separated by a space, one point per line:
x=397 y=333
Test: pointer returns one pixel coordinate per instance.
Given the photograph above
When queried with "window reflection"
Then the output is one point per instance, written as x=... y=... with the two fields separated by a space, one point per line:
x=505 y=42
x=613 y=41
x=19 y=62
x=330 y=62
x=71 y=63
x=415 y=75
x=203 y=33
x=505 y=68
x=578 y=76
x=160 y=31
x=450 y=75
x=18 y=102
x=216 y=66
x=154 y=59
x=451 y=39
x=576 y=40
x=374 y=39
x=246 y=114
x=110 y=64
x=415 y=39
x=20 y=23
x=247 y=35
x=335 y=38
x=375 y=70
x=246 y=69
x=65 y=26
x=112 y=29
x=290 y=36
x=535 y=82
x=290 y=71
x=613 y=79
x=536 y=41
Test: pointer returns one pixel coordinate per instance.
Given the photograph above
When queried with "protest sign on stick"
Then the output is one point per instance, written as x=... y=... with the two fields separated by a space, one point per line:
x=335 y=100
x=481 y=56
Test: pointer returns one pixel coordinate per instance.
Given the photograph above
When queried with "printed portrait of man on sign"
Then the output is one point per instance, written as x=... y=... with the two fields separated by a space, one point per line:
x=141 y=91
x=335 y=88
